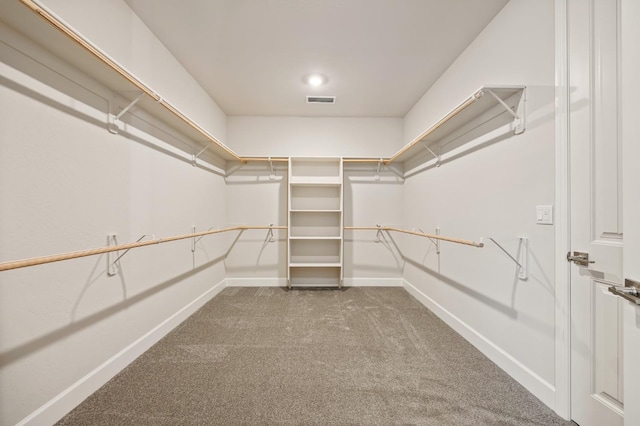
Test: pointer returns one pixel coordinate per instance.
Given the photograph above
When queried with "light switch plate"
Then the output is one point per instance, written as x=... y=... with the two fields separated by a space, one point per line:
x=544 y=215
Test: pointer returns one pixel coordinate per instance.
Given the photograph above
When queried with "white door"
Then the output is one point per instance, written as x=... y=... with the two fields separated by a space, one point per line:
x=630 y=37
x=596 y=212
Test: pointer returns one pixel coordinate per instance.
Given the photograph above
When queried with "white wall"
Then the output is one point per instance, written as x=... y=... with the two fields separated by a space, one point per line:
x=492 y=191
x=369 y=201
x=65 y=183
x=252 y=196
x=315 y=136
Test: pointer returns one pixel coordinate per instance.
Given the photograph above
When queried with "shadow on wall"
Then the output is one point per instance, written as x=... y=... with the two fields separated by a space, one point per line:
x=505 y=309
x=509 y=311
x=91 y=105
x=25 y=349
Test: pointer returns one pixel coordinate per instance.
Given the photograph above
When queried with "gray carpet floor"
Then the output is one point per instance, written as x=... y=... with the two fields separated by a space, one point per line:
x=267 y=356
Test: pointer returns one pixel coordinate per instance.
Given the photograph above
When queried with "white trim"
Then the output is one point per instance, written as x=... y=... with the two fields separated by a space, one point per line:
x=535 y=384
x=562 y=210
x=373 y=282
x=65 y=401
x=282 y=282
x=256 y=282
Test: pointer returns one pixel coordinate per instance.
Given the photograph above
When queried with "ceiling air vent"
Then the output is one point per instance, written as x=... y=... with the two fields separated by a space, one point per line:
x=321 y=99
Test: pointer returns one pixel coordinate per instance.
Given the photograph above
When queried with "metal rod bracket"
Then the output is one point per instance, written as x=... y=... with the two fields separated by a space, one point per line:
x=114 y=119
x=378 y=233
x=195 y=240
x=194 y=157
x=435 y=241
x=518 y=114
x=272 y=172
x=112 y=268
x=523 y=256
x=437 y=156
x=112 y=265
x=380 y=165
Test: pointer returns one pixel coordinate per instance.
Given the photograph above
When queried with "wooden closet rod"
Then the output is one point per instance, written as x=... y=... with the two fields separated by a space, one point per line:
x=420 y=234
x=101 y=250
x=274 y=159
x=124 y=73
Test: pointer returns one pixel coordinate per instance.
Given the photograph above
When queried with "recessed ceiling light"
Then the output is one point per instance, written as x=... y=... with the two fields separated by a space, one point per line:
x=315 y=80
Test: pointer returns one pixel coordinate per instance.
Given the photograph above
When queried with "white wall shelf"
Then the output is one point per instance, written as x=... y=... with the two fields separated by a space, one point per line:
x=486 y=103
x=319 y=264
x=66 y=43
x=317 y=238
x=315 y=181
x=316 y=211
x=315 y=276
x=315 y=242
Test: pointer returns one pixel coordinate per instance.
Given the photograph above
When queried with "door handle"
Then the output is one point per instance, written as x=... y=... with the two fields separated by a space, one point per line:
x=630 y=291
x=579 y=258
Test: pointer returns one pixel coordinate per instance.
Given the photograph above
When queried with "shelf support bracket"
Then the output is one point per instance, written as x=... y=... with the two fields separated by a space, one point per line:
x=437 y=156
x=272 y=172
x=113 y=126
x=194 y=157
x=234 y=169
x=380 y=165
x=518 y=115
x=112 y=265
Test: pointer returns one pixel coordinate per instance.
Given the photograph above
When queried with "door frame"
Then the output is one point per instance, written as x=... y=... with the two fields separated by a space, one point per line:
x=562 y=215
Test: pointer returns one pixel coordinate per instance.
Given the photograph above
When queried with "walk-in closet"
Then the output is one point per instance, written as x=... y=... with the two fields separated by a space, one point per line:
x=332 y=212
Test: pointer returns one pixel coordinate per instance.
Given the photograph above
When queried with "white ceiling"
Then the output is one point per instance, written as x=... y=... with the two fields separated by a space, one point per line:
x=380 y=56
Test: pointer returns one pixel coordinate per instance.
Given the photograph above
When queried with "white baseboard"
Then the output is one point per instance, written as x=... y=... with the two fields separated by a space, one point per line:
x=282 y=282
x=71 y=397
x=535 y=384
x=256 y=282
x=373 y=282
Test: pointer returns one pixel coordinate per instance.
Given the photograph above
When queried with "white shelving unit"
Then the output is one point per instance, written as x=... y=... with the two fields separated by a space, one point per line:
x=315 y=222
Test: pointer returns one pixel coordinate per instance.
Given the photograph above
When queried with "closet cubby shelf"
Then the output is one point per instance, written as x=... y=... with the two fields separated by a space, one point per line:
x=315 y=265
x=315 y=181
x=327 y=237
x=315 y=210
